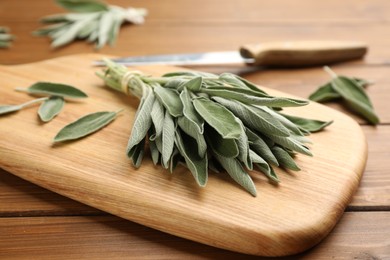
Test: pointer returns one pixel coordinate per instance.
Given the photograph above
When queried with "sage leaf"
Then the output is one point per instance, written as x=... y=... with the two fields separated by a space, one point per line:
x=189 y=74
x=238 y=174
x=136 y=153
x=190 y=112
x=243 y=149
x=83 y=5
x=194 y=84
x=170 y=99
x=142 y=120
x=85 y=125
x=189 y=128
x=263 y=166
x=168 y=139
x=50 y=108
x=175 y=158
x=254 y=117
x=310 y=125
x=355 y=97
x=284 y=158
x=232 y=80
x=221 y=146
x=290 y=143
x=105 y=24
x=155 y=153
x=157 y=116
x=55 y=89
x=5 y=109
x=255 y=100
x=324 y=93
x=197 y=165
x=258 y=145
x=250 y=85
x=218 y=117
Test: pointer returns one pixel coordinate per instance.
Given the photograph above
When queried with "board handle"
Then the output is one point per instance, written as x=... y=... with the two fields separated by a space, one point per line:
x=303 y=53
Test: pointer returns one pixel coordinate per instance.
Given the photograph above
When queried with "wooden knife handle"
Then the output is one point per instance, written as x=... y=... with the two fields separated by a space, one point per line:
x=303 y=53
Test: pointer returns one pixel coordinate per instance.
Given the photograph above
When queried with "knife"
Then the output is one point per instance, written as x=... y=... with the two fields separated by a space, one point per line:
x=280 y=54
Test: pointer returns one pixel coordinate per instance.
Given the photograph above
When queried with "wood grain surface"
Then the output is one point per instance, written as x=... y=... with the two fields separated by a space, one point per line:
x=182 y=26
x=282 y=220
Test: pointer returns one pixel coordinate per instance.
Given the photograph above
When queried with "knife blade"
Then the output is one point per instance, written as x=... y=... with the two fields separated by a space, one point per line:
x=282 y=54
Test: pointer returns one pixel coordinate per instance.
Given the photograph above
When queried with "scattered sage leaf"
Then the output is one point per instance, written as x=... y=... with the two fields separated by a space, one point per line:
x=324 y=93
x=50 y=108
x=235 y=170
x=5 y=109
x=218 y=117
x=85 y=125
x=170 y=99
x=55 y=89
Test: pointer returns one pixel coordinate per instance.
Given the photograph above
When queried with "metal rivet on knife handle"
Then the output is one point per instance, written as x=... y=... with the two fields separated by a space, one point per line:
x=303 y=53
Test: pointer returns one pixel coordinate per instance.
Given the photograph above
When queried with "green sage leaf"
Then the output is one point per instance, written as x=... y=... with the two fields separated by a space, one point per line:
x=170 y=99
x=50 y=108
x=83 y=5
x=55 y=89
x=154 y=152
x=137 y=152
x=218 y=117
x=255 y=100
x=260 y=147
x=254 y=117
x=142 y=120
x=5 y=109
x=85 y=125
x=324 y=93
x=355 y=97
x=310 y=125
x=190 y=112
x=189 y=128
x=157 y=116
x=194 y=84
x=221 y=146
x=175 y=158
x=290 y=143
x=238 y=174
x=168 y=139
x=284 y=158
x=197 y=165
x=263 y=166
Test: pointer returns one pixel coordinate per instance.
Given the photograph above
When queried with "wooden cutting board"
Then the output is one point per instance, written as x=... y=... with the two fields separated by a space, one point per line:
x=281 y=220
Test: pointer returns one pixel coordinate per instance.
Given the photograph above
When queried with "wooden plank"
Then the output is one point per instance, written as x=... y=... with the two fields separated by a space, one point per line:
x=279 y=11
x=154 y=38
x=357 y=236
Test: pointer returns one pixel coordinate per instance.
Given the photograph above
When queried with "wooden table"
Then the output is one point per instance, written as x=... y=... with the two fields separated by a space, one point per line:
x=38 y=224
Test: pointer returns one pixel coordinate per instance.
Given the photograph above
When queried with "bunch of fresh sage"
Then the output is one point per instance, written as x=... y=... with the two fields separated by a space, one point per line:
x=5 y=37
x=212 y=122
x=351 y=91
x=92 y=20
